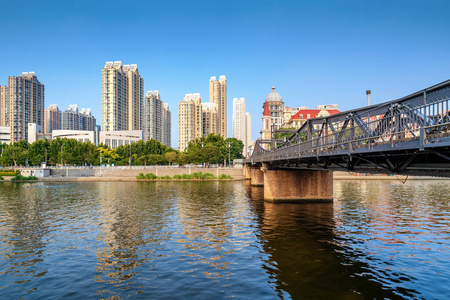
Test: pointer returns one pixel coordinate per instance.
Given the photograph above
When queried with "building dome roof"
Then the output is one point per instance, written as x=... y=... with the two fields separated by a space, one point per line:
x=273 y=96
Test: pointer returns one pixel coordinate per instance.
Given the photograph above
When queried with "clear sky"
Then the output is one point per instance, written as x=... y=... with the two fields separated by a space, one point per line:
x=314 y=52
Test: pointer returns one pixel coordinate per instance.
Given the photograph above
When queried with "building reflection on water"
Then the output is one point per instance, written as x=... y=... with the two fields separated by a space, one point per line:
x=132 y=230
x=207 y=213
x=307 y=259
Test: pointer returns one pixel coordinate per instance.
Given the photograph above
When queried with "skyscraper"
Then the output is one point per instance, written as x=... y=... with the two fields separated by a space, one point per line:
x=25 y=101
x=87 y=120
x=74 y=119
x=209 y=118
x=157 y=118
x=218 y=95
x=153 y=117
x=122 y=97
x=248 y=120
x=189 y=120
x=167 y=123
x=70 y=118
x=52 y=118
x=135 y=97
x=3 y=106
x=241 y=122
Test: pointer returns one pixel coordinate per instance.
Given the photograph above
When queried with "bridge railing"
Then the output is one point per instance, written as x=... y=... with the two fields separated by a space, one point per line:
x=420 y=116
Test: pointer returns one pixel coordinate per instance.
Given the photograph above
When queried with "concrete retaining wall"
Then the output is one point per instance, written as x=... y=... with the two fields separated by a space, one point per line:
x=236 y=173
x=72 y=172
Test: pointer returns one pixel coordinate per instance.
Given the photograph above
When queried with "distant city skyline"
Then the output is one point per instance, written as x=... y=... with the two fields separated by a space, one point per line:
x=313 y=52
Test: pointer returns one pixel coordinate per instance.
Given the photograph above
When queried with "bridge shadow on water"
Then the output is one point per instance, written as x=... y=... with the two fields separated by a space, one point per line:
x=306 y=259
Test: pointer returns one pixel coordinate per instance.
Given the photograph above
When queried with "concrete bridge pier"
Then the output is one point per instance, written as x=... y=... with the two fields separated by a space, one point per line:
x=247 y=171
x=257 y=176
x=297 y=185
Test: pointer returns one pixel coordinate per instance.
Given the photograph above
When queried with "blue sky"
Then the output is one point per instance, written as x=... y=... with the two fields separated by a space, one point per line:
x=314 y=52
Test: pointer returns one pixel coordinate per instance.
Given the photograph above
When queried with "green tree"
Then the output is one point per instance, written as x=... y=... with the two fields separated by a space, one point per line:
x=171 y=156
x=236 y=148
x=16 y=153
x=37 y=151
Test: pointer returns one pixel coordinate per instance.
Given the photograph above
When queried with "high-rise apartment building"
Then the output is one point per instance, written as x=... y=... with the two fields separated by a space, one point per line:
x=87 y=120
x=241 y=123
x=153 y=117
x=73 y=119
x=189 y=120
x=70 y=118
x=209 y=118
x=157 y=118
x=218 y=95
x=167 y=123
x=135 y=97
x=25 y=102
x=248 y=120
x=3 y=106
x=122 y=97
x=52 y=118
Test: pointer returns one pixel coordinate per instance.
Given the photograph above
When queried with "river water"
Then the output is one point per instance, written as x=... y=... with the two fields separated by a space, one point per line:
x=216 y=240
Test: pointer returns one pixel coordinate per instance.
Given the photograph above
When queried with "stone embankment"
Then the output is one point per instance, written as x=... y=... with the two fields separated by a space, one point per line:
x=125 y=174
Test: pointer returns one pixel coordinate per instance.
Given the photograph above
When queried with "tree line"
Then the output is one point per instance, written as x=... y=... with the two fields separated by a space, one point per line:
x=213 y=149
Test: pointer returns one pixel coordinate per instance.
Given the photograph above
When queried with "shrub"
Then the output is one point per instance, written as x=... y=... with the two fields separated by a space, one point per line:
x=225 y=176
x=20 y=177
x=197 y=175
x=150 y=176
x=1 y=178
x=9 y=173
x=186 y=176
x=140 y=176
x=177 y=176
x=208 y=176
x=165 y=177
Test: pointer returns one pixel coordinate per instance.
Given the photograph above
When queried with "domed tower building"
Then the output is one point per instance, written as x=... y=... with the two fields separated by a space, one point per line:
x=272 y=116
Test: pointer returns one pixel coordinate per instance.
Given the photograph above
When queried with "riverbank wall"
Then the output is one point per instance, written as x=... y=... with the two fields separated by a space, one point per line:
x=127 y=174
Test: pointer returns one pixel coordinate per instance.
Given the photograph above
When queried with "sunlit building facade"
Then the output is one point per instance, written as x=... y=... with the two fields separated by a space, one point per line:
x=209 y=118
x=218 y=95
x=189 y=120
x=25 y=101
x=122 y=97
x=3 y=106
x=52 y=118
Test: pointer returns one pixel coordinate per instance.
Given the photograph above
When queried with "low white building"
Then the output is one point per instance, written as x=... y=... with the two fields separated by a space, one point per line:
x=35 y=172
x=80 y=135
x=115 y=139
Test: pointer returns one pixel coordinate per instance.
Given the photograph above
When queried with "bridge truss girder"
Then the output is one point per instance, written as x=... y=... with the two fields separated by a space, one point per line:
x=408 y=136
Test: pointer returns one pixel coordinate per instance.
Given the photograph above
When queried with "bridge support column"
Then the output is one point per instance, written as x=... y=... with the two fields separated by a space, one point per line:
x=298 y=186
x=247 y=170
x=257 y=176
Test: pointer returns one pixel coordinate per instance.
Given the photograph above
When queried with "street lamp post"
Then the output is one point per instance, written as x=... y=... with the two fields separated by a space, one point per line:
x=229 y=147
x=203 y=163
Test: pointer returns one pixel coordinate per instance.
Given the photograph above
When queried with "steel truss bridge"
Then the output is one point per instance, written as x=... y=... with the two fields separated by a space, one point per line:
x=409 y=136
